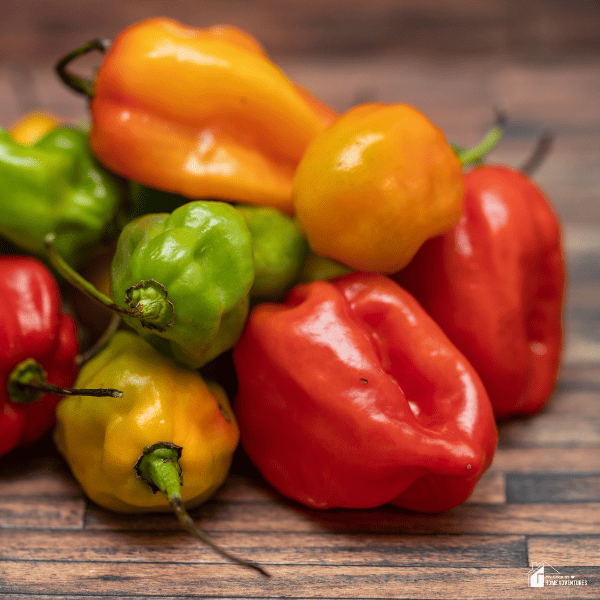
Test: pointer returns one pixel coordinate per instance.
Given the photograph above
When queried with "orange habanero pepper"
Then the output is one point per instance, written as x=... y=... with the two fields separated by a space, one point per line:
x=376 y=184
x=200 y=112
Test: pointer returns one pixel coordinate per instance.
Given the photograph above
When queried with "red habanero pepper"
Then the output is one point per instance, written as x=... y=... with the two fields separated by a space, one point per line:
x=495 y=285
x=36 y=339
x=350 y=395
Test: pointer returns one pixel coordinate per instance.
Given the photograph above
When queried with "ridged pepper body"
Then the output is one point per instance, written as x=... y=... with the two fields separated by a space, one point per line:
x=200 y=256
x=102 y=439
x=350 y=395
x=495 y=284
x=377 y=183
x=32 y=326
x=202 y=113
x=55 y=185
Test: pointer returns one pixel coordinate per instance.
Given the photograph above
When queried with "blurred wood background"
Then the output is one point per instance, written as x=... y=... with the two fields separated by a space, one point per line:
x=32 y=31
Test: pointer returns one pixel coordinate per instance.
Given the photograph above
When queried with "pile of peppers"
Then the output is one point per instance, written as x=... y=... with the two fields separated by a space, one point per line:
x=383 y=296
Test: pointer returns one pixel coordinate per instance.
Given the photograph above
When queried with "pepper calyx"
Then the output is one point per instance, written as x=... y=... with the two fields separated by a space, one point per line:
x=147 y=301
x=25 y=373
x=158 y=466
x=154 y=469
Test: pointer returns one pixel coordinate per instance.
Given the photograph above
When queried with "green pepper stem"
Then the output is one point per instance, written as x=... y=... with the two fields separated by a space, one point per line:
x=159 y=468
x=147 y=300
x=76 y=280
x=476 y=154
x=79 y=84
x=28 y=382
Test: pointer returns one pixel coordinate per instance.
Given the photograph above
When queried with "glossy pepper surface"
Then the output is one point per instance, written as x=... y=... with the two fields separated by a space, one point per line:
x=377 y=183
x=103 y=440
x=350 y=395
x=56 y=186
x=32 y=328
x=187 y=277
x=495 y=284
x=202 y=113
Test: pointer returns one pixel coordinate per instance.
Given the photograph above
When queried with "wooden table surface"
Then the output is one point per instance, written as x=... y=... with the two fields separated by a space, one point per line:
x=540 y=500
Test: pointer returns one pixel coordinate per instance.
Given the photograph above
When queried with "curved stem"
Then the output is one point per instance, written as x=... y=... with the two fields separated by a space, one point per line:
x=76 y=280
x=543 y=147
x=476 y=153
x=159 y=468
x=101 y=342
x=28 y=382
x=79 y=84
x=147 y=299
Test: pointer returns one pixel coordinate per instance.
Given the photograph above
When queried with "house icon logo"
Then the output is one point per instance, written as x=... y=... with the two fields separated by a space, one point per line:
x=537 y=573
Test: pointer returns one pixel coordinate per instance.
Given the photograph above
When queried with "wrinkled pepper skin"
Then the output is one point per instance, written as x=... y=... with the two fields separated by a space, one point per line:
x=350 y=395
x=202 y=113
x=279 y=249
x=102 y=440
x=495 y=284
x=56 y=186
x=201 y=254
x=32 y=326
x=377 y=183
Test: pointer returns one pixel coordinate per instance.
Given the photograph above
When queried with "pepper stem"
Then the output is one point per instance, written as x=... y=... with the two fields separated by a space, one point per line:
x=475 y=155
x=541 y=150
x=159 y=468
x=79 y=84
x=28 y=382
x=147 y=300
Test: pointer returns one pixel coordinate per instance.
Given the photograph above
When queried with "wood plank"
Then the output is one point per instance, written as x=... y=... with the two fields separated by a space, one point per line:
x=536 y=488
x=509 y=519
x=582 y=459
x=47 y=477
x=491 y=489
x=551 y=430
x=168 y=580
x=41 y=512
x=265 y=548
x=564 y=550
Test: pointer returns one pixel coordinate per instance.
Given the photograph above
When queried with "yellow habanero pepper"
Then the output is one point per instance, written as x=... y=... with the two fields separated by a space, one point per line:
x=169 y=427
x=32 y=126
x=376 y=184
x=202 y=113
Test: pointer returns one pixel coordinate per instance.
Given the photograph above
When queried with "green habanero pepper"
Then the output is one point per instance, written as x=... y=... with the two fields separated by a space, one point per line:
x=279 y=249
x=181 y=280
x=57 y=186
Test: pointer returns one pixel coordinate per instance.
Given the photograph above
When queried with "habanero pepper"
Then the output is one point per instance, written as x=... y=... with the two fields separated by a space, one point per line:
x=181 y=280
x=56 y=186
x=350 y=395
x=169 y=427
x=199 y=112
x=38 y=351
x=373 y=186
x=378 y=182
x=495 y=285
